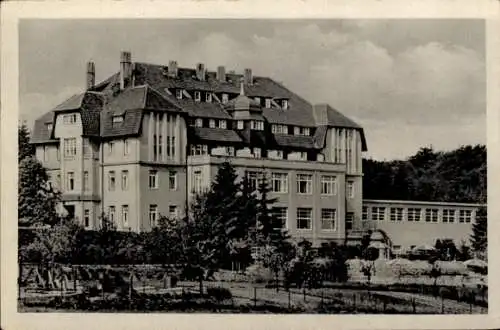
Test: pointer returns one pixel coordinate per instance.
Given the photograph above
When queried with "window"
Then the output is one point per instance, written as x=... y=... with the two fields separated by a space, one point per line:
x=211 y=123
x=111 y=214
x=279 y=154
x=431 y=215
x=69 y=119
x=328 y=219
x=225 y=98
x=49 y=128
x=328 y=185
x=350 y=189
x=178 y=93
x=281 y=214
x=208 y=97
x=284 y=104
x=364 y=215
x=396 y=214
x=449 y=215
x=70 y=147
x=296 y=130
x=172 y=180
x=268 y=103
x=198 y=122
x=257 y=125
x=126 y=147
x=230 y=151
x=71 y=181
x=111 y=147
x=222 y=124
x=257 y=99
x=86 y=147
x=253 y=179
x=172 y=211
x=125 y=180
x=304 y=183
x=257 y=152
x=307 y=131
x=414 y=214
x=153 y=214
x=125 y=215
x=349 y=220
x=197 y=96
x=304 y=218
x=117 y=119
x=199 y=149
x=378 y=213
x=45 y=154
x=279 y=129
x=239 y=124
x=279 y=182
x=153 y=179
x=465 y=216
x=197 y=182
x=85 y=181
x=86 y=218
x=112 y=180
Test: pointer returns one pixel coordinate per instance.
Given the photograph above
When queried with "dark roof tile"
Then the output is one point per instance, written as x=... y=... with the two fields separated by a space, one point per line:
x=216 y=134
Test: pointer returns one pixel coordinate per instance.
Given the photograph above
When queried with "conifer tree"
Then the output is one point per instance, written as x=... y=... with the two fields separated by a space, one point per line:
x=26 y=149
x=479 y=237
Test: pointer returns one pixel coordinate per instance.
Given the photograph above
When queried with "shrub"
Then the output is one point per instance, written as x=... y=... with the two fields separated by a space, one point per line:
x=219 y=294
x=257 y=273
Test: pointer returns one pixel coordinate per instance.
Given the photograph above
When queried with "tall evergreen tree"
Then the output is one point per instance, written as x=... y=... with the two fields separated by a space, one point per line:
x=479 y=237
x=26 y=149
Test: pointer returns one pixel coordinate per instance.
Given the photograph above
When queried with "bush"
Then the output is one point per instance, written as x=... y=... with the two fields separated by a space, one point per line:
x=257 y=273
x=219 y=294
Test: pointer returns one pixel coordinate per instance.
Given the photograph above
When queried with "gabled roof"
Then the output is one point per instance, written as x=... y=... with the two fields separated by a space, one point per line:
x=41 y=134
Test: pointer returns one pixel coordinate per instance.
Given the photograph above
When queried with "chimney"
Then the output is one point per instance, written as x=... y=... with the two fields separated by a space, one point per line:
x=200 y=71
x=221 y=73
x=125 y=69
x=248 y=77
x=90 y=75
x=172 y=69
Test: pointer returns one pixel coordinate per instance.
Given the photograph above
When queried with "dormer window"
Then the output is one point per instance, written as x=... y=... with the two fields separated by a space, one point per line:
x=307 y=131
x=257 y=152
x=211 y=123
x=296 y=130
x=239 y=124
x=268 y=103
x=257 y=99
x=178 y=93
x=279 y=129
x=197 y=96
x=225 y=98
x=49 y=127
x=117 y=119
x=284 y=104
x=301 y=131
x=222 y=124
x=198 y=122
x=257 y=125
x=208 y=97
x=69 y=119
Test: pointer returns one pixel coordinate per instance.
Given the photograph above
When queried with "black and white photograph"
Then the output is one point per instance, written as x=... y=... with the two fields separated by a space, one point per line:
x=252 y=166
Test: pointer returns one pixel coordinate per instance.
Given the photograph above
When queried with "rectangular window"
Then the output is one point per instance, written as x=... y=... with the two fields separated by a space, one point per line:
x=155 y=147
x=208 y=97
x=86 y=147
x=284 y=104
x=364 y=216
x=153 y=179
x=449 y=215
x=222 y=124
x=70 y=147
x=117 y=119
x=378 y=213
x=198 y=122
x=281 y=214
x=279 y=182
x=45 y=154
x=112 y=180
x=230 y=151
x=211 y=123
x=279 y=154
x=239 y=124
x=257 y=99
x=225 y=98
x=257 y=125
x=110 y=148
x=465 y=216
x=86 y=218
x=125 y=180
x=172 y=211
x=328 y=185
x=199 y=149
x=111 y=214
x=49 y=128
x=178 y=93
x=349 y=220
x=328 y=219
x=85 y=181
x=268 y=103
x=70 y=181
x=304 y=183
x=172 y=180
x=254 y=179
x=153 y=215
x=431 y=215
x=197 y=182
x=126 y=147
x=396 y=214
x=414 y=214
x=125 y=215
x=304 y=218
x=197 y=96
x=307 y=131
x=350 y=189
x=257 y=152
x=69 y=119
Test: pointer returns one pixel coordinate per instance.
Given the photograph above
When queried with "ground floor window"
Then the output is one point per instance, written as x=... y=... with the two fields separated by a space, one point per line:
x=328 y=219
x=304 y=218
x=349 y=220
x=153 y=215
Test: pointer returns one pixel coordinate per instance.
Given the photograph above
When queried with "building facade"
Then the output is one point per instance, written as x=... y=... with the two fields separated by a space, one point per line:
x=141 y=143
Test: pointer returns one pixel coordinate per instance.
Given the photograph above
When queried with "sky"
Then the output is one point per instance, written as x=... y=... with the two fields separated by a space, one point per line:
x=409 y=82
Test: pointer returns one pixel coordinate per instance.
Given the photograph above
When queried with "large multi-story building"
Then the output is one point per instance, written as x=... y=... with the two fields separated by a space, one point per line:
x=142 y=142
